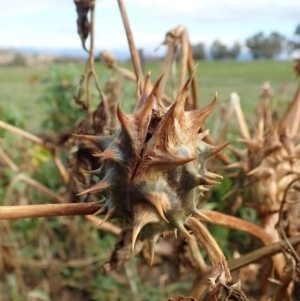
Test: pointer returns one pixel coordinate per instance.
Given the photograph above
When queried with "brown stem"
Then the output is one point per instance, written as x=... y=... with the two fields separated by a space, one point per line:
x=67 y=209
x=34 y=183
x=47 y=210
x=260 y=253
x=22 y=133
x=195 y=89
x=90 y=62
x=41 y=142
x=184 y=57
x=232 y=222
x=134 y=53
x=220 y=269
x=8 y=161
x=294 y=122
x=239 y=224
x=98 y=223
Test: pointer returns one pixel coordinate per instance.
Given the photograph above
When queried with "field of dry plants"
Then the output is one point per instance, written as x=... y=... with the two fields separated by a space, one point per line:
x=154 y=194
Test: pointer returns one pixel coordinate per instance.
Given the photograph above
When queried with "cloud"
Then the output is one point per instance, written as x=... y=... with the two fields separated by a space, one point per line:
x=218 y=11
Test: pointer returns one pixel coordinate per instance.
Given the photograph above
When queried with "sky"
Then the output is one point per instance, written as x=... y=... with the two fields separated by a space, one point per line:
x=52 y=23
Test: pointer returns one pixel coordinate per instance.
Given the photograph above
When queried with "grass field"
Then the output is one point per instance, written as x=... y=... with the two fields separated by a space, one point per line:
x=22 y=87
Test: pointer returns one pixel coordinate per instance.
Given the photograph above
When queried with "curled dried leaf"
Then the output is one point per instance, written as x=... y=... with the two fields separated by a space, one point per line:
x=83 y=25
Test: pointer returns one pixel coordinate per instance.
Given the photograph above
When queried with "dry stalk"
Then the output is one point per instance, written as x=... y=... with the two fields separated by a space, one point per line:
x=134 y=53
x=22 y=177
x=8 y=161
x=175 y=38
x=260 y=253
x=199 y=286
x=40 y=142
x=293 y=258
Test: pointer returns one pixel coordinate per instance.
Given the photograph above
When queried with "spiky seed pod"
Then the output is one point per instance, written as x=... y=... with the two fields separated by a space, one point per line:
x=269 y=162
x=152 y=168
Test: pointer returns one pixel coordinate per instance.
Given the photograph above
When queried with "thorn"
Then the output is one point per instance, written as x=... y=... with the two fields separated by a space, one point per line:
x=176 y=233
x=151 y=243
x=124 y=120
x=96 y=172
x=109 y=214
x=183 y=230
x=202 y=135
x=200 y=214
x=143 y=214
x=101 y=211
x=170 y=159
x=202 y=188
x=98 y=187
x=213 y=175
x=200 y=180
x=160 y=202
x=155 y=89
x=216 y=149
x=254 y=171
x=108 y=154
x=147 y=85
x=101 y=142
x=136 y=230
x=197 y=117
x=234 y=165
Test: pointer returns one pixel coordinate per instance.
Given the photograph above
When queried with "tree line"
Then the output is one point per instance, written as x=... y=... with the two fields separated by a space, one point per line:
x=260 y=46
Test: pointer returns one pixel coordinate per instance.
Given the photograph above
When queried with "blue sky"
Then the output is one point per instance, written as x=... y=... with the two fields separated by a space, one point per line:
x=52 y=23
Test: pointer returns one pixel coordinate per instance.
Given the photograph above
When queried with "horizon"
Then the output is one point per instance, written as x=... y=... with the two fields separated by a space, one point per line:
x=228 y=21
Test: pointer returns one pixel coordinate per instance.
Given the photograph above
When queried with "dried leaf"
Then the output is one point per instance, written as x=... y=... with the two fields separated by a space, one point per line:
x=83 y=25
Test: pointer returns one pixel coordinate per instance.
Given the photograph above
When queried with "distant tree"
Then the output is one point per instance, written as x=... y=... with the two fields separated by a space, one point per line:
x=199 y=51
x=234 y=51
x=296 y=42
x=220 y=51
x=266 y=46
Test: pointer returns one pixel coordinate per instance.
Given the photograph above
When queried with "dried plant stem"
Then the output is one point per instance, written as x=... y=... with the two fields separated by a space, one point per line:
x=200 y=283
x=295 y=118
x=235 y=223
x=191 y=67
x=292 y=106
x=8 y=161
x=184 y=57
x=47 y=210
x=41 y=142
x=235 y=103
x=90 y=62
x=22 y=133
x=232 y=222
x=259 y=254
x=98 y=223
x=72 y=263
x=134 y=53
x=34 y=183
x=61 y=168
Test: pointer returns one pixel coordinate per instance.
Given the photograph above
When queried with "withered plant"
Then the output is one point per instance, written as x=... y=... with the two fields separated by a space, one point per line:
x=152 y=169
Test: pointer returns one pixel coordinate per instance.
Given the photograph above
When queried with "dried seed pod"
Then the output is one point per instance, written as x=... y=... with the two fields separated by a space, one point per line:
x=152 y=168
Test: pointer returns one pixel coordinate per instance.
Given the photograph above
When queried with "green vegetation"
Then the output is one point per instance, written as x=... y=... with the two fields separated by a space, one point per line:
x=22 y=88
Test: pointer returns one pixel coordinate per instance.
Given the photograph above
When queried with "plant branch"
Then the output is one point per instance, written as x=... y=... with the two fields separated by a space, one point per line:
x=134 y=53
x=41 y=142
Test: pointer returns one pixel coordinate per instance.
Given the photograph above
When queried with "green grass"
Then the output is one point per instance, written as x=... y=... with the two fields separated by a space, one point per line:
x=22 y=87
